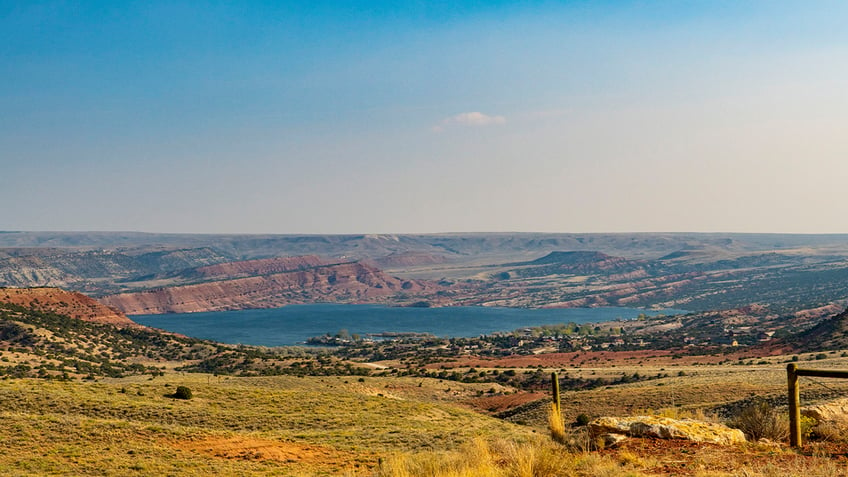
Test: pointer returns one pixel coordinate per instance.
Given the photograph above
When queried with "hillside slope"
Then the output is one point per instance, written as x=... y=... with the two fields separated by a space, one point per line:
x=583 y=263
x=63 y=302
x=353 y=282
x=695 y=272
x=96 y=271
x=44 y=344
x=36 y=340
x=265 y=266
x=827 y=335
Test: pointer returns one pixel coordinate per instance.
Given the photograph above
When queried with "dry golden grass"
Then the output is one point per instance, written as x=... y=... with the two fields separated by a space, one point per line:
x=831 y=431
x=760 y=420
x=686 y=391
x=697 y=414
x=500 y=458
x=344 y=426
x=796 y=469
x=555 y=424
x=236 y=426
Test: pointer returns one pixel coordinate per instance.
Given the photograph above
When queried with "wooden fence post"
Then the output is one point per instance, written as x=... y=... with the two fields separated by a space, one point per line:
x=555 y=385
x=794 y=405
x=792 y=374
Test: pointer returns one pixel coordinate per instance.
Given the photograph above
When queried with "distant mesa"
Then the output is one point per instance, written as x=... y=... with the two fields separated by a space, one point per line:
x=273 y=283
x=410 y=259
x=262 y=266
x=678 y=254
x=572 y=258
x=578 y=262
x=155 y=273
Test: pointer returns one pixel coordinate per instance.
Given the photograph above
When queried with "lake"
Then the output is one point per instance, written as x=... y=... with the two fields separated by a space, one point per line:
x=293 y=324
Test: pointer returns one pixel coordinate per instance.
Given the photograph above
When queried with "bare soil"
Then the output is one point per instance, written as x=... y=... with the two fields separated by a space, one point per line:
x=251 y=448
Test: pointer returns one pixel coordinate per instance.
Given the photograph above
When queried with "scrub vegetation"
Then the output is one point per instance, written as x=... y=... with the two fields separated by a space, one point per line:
x=100 y=399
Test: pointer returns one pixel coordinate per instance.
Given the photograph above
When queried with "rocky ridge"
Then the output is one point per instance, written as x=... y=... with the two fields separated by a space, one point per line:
x=73 y=304
x=353 y=282
x=265 y=266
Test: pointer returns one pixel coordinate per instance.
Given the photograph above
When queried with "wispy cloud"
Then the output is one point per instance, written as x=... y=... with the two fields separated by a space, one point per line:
x=472 y=119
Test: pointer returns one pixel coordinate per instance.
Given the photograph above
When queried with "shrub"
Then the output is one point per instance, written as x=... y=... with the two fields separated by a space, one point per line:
x=833 y=430
x=582 y=420
x=761 y=420
x=182 y=392
x=807 y=426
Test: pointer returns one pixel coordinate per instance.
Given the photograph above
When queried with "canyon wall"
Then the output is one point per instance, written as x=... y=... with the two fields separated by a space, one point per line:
x=352 y=282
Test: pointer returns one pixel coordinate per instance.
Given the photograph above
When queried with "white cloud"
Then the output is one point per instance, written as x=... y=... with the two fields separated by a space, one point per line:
x=472 y=119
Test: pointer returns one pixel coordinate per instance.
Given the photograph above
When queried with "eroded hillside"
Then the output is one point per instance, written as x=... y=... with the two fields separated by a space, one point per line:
x=154 y=273
x=347 y=282
x=63 y=302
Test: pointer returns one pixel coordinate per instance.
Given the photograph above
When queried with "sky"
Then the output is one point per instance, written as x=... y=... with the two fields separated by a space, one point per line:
x=424 y=116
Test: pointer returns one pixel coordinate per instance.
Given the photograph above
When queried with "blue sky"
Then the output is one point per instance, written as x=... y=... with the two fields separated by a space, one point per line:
x=393 y=117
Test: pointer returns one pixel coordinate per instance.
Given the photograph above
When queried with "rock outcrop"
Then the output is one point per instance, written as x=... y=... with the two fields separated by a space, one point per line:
x=93 y=271
x=667 y=428
x=835 y=411
x=266 y=266
x=352 y=282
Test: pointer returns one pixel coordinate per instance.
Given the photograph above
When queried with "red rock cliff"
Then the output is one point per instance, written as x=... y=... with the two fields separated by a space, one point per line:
x=264 y=266
x=345 y=283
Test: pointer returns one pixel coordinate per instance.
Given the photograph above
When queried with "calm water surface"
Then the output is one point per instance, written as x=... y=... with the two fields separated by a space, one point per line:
x=293 y=324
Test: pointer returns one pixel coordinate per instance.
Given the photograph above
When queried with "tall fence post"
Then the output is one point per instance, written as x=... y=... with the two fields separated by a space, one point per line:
x=555 y=386
x=794 y=405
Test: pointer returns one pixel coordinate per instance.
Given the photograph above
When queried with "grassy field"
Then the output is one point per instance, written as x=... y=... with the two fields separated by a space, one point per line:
x=77 y=420
x=235 y=426
x=704 y=388
x=345 y=425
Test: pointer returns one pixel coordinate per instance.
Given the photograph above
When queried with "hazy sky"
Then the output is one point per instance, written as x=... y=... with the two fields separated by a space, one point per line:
x=424 y=116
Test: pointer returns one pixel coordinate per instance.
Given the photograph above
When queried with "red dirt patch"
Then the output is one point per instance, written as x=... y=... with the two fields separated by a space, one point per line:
x=248 y=448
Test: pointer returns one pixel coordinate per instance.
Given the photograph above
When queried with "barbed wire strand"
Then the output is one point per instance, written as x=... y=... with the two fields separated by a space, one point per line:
x=824 y=385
